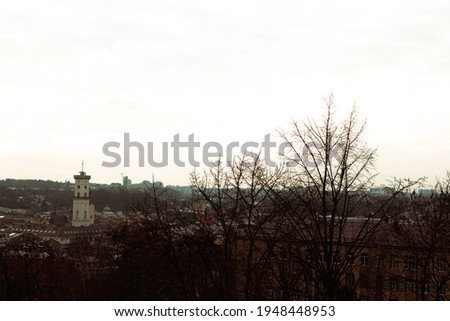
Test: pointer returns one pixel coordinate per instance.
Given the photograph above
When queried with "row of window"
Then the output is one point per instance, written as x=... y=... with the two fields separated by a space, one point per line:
x=410 y=262
x=270 y=295
x=409 y=288
x=409 y=285
x=77 y=215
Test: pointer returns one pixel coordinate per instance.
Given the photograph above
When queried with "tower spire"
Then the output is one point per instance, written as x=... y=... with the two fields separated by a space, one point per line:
x=82 y=168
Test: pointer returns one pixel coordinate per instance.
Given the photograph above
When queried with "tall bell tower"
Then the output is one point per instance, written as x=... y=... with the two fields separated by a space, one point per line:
x=83 y=210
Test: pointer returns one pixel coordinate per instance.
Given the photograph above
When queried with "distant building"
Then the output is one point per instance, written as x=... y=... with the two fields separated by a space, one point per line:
x=108 y=213
x=382 y=191
x=58 y=220
x=426 y=191
x=126 y=182
x=83 y=210
x=145 y=184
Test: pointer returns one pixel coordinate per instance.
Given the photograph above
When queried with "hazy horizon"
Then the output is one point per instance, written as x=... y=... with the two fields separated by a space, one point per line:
x=74 y=76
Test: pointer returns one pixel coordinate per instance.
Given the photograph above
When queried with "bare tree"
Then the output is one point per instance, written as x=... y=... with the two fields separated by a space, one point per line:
x=424 y=230
x=30 y=270
x=236 y=198
x=155 y=218
x=324 y=197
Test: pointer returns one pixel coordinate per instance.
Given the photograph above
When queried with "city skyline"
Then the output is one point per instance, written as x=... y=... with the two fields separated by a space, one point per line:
x=76 y=76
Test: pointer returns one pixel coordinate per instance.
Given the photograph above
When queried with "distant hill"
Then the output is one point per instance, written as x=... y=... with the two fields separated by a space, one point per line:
x=32 y=183
x=43 y=184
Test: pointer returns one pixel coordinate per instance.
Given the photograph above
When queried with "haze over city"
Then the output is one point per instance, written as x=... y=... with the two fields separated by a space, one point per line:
x=116 y=115
x=74 y=76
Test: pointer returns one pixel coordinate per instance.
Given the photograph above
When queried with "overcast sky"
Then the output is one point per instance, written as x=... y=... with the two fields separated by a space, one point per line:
x=77 y=74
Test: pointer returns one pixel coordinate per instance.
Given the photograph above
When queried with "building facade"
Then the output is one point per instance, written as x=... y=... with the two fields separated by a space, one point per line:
x=281 y=269
x=83 y=210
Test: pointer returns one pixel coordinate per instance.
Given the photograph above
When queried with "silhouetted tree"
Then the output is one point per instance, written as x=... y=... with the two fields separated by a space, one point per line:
x=235 y=198
x=325 y=201
x=424 y=229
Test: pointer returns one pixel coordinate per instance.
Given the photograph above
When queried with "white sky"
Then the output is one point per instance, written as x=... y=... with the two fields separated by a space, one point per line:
x=77 y=74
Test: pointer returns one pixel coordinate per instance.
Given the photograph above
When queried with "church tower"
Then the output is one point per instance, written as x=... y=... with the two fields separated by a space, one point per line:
x=83 y=210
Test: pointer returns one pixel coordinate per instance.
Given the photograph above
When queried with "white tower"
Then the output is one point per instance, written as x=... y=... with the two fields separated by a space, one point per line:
x=83 y=210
